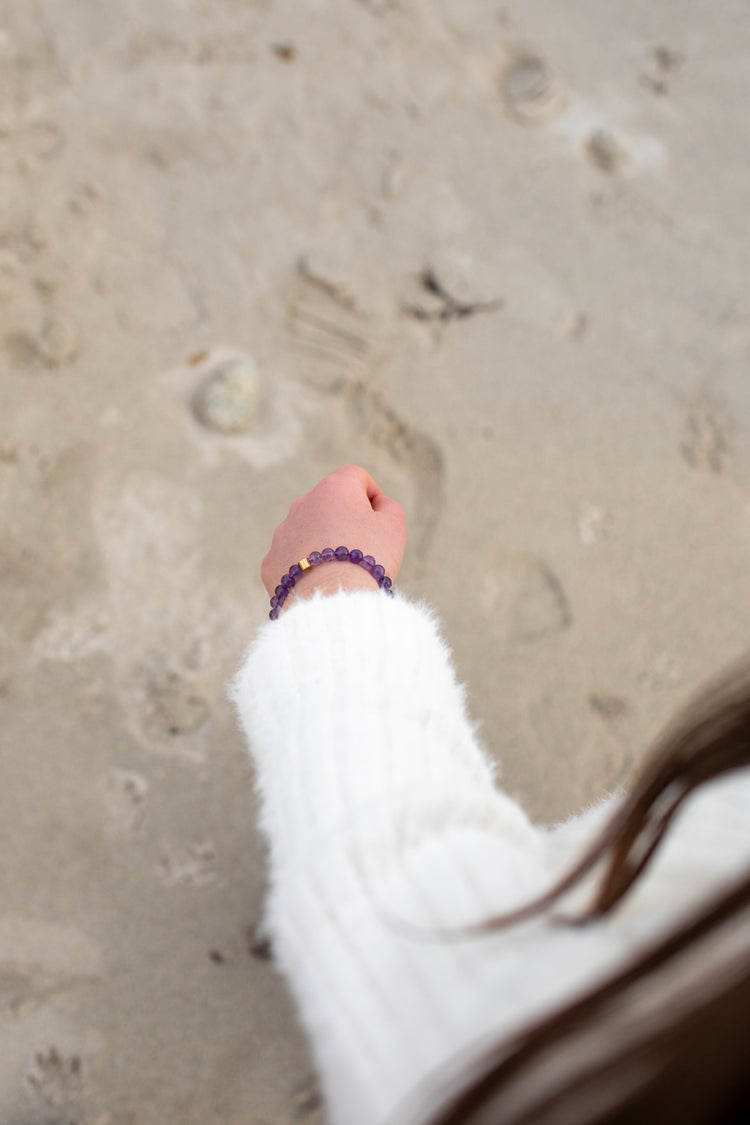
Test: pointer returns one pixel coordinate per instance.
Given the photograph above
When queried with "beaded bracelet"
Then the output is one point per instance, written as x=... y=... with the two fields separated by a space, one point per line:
x=315 y=558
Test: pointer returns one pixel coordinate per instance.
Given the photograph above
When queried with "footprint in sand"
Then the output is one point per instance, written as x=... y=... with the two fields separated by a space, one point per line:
x=55 y=1081
x=340 y=346
x=53 y=342
x=527 y=597
x=40 y=961
x=188 y=867
x=328 y=332
x=165 y=623
x=171 y=707
x=26 y=989
x=707 y=432
x=165 y=708
x=126 y=799
x=404 y=448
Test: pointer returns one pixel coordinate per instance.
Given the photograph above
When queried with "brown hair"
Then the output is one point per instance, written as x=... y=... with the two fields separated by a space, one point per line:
x=666 y=1038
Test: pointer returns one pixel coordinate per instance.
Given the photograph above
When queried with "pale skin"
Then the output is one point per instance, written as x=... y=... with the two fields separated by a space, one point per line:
x=346 y=508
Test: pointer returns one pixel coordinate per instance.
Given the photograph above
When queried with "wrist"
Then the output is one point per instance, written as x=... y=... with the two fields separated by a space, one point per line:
x=329 y=579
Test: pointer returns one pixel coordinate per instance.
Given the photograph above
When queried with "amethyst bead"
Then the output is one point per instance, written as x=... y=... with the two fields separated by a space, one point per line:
x=315 y=558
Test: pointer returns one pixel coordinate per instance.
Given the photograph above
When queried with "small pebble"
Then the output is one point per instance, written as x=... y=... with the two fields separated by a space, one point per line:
x=287 y=52
x=605 y=152
x=532 y=93
x=228 y=398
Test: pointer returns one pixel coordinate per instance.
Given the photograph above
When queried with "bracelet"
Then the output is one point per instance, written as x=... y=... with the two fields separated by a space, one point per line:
x=315 y=558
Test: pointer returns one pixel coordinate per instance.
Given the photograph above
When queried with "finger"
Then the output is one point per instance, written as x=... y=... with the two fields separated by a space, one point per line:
x=384 y=505
x=363 y=479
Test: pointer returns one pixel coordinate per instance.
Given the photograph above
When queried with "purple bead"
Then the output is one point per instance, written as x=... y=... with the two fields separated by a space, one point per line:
x=274 y=613
x=377 y=572
x=327 y=554
x=355 y=556
x=386 y=583
x=315 y=558
x=341 y=553
x=274 y=602
x=368 y=562
x=287 y=581
x=296 y=570
x=282 y=598
x=279 y=591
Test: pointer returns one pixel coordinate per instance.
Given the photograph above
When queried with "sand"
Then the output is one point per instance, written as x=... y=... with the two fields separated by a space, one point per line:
x=497 y=254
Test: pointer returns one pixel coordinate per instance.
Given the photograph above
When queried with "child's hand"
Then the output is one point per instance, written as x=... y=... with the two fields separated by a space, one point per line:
x=345 y=509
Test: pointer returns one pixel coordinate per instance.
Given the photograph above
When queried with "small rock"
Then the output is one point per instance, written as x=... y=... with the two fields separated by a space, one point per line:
x=228 y=399
x=667 y=59
x=307 y=1098
x=575 y=326
x=607 y=706
x=532 y=93
x=287 y=52
x=605 y=152
x=594 y=524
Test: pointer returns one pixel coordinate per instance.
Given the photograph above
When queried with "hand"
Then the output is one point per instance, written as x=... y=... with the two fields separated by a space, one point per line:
x=346 y=508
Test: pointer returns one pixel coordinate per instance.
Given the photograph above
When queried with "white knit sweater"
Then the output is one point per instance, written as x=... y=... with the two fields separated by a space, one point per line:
x=385 y=824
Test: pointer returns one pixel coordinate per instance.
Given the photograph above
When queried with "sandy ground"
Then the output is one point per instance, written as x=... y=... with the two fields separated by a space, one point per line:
x=498 y=254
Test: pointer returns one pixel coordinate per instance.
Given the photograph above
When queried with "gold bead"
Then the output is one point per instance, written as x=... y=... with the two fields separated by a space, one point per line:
x=305 y=564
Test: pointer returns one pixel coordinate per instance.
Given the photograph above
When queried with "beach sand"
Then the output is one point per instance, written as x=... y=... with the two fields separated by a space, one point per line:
x=495 y=253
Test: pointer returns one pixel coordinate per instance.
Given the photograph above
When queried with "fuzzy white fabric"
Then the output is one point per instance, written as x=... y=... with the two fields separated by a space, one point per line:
x=385 y=825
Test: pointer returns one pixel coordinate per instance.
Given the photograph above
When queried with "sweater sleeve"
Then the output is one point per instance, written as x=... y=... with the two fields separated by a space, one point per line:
x=387 y=835
x=384 y=828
